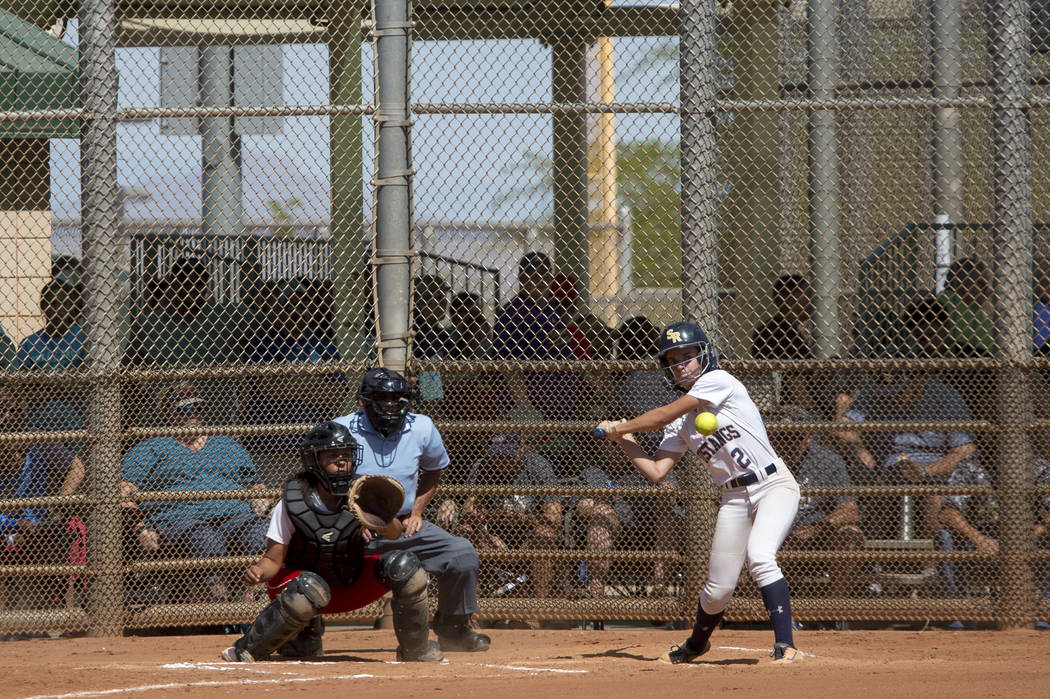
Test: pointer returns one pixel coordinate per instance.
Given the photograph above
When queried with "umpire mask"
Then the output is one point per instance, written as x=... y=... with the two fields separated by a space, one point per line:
x=386 y=399
x=331 y=436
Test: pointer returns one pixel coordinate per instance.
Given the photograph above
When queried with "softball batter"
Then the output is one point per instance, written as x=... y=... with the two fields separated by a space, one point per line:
x=759 y=495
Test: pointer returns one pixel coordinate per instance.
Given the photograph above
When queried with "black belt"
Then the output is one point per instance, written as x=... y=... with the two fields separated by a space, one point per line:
x=748 y=478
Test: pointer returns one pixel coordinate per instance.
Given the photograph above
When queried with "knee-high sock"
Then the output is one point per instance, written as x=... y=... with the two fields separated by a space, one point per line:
x=703 y=628
x=777 y=599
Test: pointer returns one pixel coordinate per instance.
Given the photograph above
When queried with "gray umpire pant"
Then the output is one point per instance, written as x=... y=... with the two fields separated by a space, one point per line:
x=452 y=559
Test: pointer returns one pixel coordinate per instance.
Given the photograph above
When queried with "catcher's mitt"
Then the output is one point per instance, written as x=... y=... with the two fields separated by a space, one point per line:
x=375 y=500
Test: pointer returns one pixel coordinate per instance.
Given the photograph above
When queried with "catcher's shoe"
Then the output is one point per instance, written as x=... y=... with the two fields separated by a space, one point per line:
x=683 y=653
x=232 y=655
x=455 y=634
x=430 y=653
x=783 y=653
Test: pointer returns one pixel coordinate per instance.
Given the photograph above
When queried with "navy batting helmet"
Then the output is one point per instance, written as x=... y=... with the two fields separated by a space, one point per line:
x=685 y=334
x=330 y=436
x=387 y=399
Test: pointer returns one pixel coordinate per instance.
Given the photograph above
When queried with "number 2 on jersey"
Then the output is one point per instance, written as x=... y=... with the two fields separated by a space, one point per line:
x=740 y=458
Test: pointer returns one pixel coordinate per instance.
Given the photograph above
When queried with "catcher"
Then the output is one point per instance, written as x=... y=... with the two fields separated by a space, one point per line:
x=315 y=562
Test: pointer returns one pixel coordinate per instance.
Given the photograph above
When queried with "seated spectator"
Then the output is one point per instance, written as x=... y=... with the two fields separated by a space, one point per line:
x=298 y=337
x=470 y=394
x=918 y=456
x=967 y=292
x=430 y=339
x=189 y=328
x=634 y=393
x=37 y=535
x=589 y=338
x=8 y=352
x=470 y=336
x=823 y=522
x=970 y=523
x=1041 y=306
x=58 y=346
x=196 y=528
x=515 y=522
x=786 y=336
x=529 y=327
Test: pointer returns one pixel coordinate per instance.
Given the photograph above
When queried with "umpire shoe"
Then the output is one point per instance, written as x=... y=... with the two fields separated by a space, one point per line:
x=430 y=653
x=783 y=653
x=455 y=634
x=683 y=653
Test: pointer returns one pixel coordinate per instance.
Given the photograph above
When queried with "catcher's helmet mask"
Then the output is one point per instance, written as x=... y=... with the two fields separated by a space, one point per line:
x=681 y=335
x=331 y=437
x=386 y=398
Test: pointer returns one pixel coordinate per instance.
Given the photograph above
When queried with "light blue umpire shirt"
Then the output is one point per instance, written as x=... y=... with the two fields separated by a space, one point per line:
x=417 y=447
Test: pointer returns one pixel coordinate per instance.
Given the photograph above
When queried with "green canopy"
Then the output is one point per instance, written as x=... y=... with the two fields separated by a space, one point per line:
x=37 y=71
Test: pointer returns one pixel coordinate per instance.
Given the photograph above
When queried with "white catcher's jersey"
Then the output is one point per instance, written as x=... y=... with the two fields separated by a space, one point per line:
x=739 y=446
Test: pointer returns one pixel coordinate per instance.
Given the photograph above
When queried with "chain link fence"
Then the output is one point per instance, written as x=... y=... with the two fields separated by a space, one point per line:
x=218 y=215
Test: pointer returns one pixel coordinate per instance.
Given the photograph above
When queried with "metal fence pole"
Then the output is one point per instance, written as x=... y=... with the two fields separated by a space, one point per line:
x=698 y=75
x=824 y=206
x=350 y=275
x=698 y=86
x=569 y=146
x=100 y=202
x=393 y=218
x=1011 y=50
x=947 y=135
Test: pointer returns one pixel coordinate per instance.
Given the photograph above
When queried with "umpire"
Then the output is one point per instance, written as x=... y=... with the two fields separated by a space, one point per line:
x=406 y=446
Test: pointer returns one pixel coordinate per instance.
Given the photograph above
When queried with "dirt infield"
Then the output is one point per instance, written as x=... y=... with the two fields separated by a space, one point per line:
x=540 y=664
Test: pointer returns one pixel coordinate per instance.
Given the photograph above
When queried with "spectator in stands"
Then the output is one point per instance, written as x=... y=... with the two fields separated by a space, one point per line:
x=1041 y=305
x=919 y=456
x=58 y=346
x=430 y=339
x=510 y=522
x=298 y=336
x=529 y=327
x=7 y=352
x=196 y=528
x=635 y=392
x=37 y=535
x=189 y=328
x=470 y=394
x=966 y=292
x=823 y=522
x=786 y=336
x=470 y=335
x=430 y=302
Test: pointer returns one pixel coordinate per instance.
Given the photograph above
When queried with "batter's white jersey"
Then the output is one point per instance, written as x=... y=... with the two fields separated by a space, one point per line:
x=739 y=446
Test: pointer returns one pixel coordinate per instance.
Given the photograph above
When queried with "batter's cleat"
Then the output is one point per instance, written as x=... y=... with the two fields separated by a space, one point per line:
x=430 y=653
x=455 y=634
x=232 y=655
x=683 y=653
x=783 y=653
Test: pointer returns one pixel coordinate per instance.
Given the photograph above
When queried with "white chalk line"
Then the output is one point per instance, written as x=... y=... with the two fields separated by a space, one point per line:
x=203 y=683
x=518 y=668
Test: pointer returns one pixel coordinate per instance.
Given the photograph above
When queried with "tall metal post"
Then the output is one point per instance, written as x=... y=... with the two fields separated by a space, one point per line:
x=824 y=205
x=351 y=276
x=947 y=132
x=1012 y=173
x=699 y=80
x=699 y=236
x=103 y=248
x=393 y=181
x=569 y=133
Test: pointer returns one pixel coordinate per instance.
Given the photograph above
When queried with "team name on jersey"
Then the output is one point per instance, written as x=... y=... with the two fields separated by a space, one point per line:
x=719 y=439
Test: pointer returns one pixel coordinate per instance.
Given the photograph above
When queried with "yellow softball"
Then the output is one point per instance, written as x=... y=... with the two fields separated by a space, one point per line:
x=706 y=423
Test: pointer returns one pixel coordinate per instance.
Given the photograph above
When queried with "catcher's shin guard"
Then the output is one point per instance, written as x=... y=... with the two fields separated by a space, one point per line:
x=307 y=643
x=286 y=616
x=402 y=573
